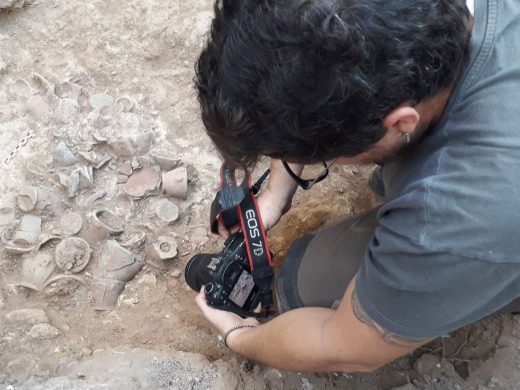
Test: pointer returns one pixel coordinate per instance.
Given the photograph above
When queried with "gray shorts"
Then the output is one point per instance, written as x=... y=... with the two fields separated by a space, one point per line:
x=319 y=266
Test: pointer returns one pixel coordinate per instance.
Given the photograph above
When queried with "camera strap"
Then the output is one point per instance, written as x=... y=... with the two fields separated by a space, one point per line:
x=236 y=204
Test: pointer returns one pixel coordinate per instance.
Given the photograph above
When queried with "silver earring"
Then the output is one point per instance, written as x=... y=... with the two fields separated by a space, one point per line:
x=406 y=136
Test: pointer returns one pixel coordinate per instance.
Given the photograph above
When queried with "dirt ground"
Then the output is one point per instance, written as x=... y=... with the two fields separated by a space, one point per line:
x=105 y=91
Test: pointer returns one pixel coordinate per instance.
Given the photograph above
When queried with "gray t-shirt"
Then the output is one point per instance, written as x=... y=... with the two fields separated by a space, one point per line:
x=447 y=248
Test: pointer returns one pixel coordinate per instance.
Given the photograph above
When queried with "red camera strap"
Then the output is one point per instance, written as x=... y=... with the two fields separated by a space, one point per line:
x=237 y=204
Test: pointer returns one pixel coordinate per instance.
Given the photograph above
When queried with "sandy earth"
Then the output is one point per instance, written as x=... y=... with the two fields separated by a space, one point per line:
x=106 y=89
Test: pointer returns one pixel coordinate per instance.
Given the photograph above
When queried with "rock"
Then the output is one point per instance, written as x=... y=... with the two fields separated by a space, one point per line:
x=73 y=254
x=100 y=100
x=30 y=316
x=176 y=274
x=142 y=182
x=165 y=247
x=199 y=236
x=122 y=179
x=6 y=216
x=167 y=211
x=43 y=331
x=71 y=224
x=2 y=301
x=427 y=363
x=148 y=280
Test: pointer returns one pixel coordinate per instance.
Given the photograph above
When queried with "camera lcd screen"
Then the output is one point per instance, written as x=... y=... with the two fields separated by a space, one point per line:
x=242 y=289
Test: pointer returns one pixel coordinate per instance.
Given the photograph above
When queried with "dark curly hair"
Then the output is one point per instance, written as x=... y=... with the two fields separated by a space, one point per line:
x=313 y=80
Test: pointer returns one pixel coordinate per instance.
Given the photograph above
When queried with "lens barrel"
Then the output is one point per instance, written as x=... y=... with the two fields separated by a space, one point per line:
x=196 y=272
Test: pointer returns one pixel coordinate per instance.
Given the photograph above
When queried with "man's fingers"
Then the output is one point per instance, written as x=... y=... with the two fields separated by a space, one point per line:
x=222 y=229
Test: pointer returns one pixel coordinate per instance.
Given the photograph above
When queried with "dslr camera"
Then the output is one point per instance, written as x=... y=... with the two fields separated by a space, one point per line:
x=226 y=277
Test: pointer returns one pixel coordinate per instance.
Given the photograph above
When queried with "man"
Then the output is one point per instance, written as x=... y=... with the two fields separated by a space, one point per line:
x=424 y=88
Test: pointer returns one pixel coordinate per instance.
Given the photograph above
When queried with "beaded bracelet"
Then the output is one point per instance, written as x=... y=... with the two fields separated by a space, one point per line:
x=233 y=329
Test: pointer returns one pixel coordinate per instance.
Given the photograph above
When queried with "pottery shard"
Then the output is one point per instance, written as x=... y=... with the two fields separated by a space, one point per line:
x=29 y=230
x=43 y=331
x=63 y=155
x=27 y=198
x=30 y=316
x=71 y=224
x=73 y=254
x=118 y=263
x=167 y=211
x=175 y=183
x=142 y=182
x=105 y=293
x=37 y=269
x=165 y=247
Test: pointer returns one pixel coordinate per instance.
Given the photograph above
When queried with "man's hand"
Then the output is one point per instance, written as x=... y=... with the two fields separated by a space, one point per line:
x=222 y=320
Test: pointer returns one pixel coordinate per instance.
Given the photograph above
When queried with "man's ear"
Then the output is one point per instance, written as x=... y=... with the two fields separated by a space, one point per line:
x=403 y=119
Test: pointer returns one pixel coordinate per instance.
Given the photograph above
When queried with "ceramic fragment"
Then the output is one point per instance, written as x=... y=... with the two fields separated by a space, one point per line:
x=36 y=270
x=165 y=247
x=118 y=263
x=167 y=211
x=142 y=182
x=105 y=293
x=27 y=198
x=175 y=183
x=103 y=223
x=72 y=254
x=165 y=162
x=71 y=224
x=63 y=156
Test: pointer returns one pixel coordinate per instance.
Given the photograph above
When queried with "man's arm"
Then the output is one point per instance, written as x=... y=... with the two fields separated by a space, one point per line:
x=318 y=340
x=275 y=199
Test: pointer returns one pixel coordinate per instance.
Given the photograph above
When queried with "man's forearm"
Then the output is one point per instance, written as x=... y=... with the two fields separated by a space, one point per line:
x=298 y=340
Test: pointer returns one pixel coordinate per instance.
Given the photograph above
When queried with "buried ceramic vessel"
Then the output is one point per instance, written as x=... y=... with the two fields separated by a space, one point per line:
x=72 y=254
x=103 y=223
x=118 y=263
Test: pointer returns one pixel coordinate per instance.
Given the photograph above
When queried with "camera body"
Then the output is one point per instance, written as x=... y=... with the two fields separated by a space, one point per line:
x=226 y=277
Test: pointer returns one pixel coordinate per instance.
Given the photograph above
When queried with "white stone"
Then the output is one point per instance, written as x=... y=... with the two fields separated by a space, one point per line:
x=31 y=316
x=43 y=331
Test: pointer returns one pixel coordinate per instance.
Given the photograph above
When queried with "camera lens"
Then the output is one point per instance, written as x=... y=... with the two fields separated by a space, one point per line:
x=196 y=272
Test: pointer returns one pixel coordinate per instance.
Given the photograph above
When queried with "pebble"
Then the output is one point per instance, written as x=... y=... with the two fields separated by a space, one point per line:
x=43 y=331
x=31 y=316
x=148 y=280
x=176 y=274
x=426 y=363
